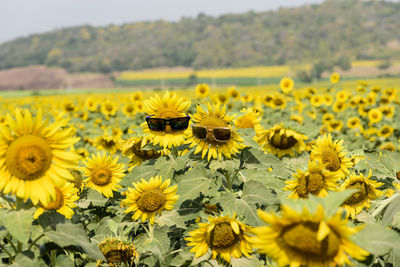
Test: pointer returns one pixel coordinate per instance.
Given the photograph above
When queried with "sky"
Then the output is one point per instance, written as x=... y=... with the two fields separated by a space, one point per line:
x=23 y=17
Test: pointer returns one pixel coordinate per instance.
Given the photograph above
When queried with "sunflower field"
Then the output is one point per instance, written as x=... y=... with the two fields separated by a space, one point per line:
x=201 y=177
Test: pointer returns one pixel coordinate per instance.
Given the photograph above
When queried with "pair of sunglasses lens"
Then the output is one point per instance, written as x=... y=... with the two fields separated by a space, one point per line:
x=176 y=124
x=219 y=134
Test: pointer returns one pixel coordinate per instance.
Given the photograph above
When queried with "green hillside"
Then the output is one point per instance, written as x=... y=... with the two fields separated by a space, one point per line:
x=335 y=30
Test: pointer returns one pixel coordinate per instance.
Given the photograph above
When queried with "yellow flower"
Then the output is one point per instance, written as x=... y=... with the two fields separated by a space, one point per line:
x=251 y=119
x=63 y=203
x=339 y=106
x=355 y=101
x=286 y=85
x=91 y=104
x=35 y=156
x=149 y=198
x=328 y=117
x=215 y=117
x=342 y=96
x=388 y=146
x=279 y=102
x=107 y=143
x=134 y=148
x=363 y=110
x=109 y=108
x=103 y=173
x=202 y=90
x=281 y=141
x=335 y=125
x=166 y=107
x=129 y=109
x=384 y=100
x=328 y=99
x=391 y=93
x=306 y=239
x=316 y=100
x=297 y=118
x=316 y=181
x=137 y=96
x=335 y=77
x=366 y=192
x=386 y=131
x=388 y=111
x=374 y=116
x=225 y=236
x=332 y=155
x=233 y=93
x=354 y=122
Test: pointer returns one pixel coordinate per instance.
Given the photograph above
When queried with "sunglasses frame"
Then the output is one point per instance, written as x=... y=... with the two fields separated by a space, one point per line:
x=167 y=122
x=212 y=131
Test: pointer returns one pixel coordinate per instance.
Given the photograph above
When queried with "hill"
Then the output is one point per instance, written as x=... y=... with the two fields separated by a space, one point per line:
x=338 y=31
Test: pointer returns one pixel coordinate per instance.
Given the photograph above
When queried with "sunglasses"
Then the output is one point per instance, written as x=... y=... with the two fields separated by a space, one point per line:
x=220 y=134
x=176 y=124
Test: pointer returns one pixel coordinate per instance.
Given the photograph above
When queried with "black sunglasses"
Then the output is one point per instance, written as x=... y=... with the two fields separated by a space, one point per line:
x=176 y=124
x=220 y=134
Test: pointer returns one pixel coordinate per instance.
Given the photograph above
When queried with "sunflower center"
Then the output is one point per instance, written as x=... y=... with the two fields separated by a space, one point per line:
x=331 y=160
x=109 y=107
x=101 y=176
x=213 y=122
x=168 y=113
x=145 y=154
x=222 y=236
x=278 y=101
x=359 y=196
x=283 y=141
x=202 y=90
x=312 y=183
x=151 y=200
x=385 y=130
x=28 y=157
x=57 y=203
x=302 y=238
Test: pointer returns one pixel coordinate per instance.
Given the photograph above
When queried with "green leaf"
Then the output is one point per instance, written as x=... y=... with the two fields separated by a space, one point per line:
x=377 y=239
x=264 y=177
x=18 y=223
x=67 y=234
x=64 y=261
x=23 y=261
x=171 y=218
x=92 y=198
x=384 y=166
x=142 y=171
x=113 y=226
x=181 y=258
x=194 y=182
x=245 y=262
x=256 y=193
x=158 y=244
x=245 y=210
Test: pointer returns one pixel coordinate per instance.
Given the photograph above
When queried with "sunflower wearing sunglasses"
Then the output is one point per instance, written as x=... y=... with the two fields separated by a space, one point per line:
x=213 y=133
x=167 y=123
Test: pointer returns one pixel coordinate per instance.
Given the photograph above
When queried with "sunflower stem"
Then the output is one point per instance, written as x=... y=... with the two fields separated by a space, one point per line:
x=174 y=152
x=6 y=251
x=228 y=180
x=19 y=202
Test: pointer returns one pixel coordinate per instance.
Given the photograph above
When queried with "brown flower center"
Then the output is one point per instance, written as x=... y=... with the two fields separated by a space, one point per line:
x=302 y=239
x=282 y=141
x=331 y=159
x=222 y=236
x=359 y=196
x=151 y=200
x=312 y=183
x=28 y=157
x=101 y=176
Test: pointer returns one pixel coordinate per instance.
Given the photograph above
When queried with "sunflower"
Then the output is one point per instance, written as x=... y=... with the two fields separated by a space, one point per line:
x=247 y=98
x=297 y=118
x=63 y=203
x=202 y=90
x=339 y=106
x=117 y=251
x=103 y=173
x=136 y=96
x=286 y=85
x=316 y=100
x=316 y=181
x=107 y=143
x=342 y=96
x=355 y=101
x=281 y=141
x=335 y=125
x=251 y=119
x=335 y=78
x=328 y=117
x=389 y=146
x=388 y=111
x=220 y=98
x=215 y=117
x=332 y=155
x=306 y=239
x=386 y=131
x=224 y=235
x=367 y=191
x=129 y=109
x=354 y=122
x=374 y=116
x=91 y=104
x=391 y=93
x=384 y=100
x=134 y=148
x=166 y=107
x=233 y=92
x=149 y=198
x=328 y=99
x=34 y=156
x=279 y=102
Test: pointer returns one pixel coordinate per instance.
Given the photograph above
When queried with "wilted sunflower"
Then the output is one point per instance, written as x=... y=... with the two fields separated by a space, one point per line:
x=149 y=198
x=117 y=251
x=335 y=77
x=281 y=141
x=166 y=107
x=332 y=155
x=286 y=85
x=134 y=149
x=103 y=173
x=316 y=181
x=305 y=239
x=215 y=117
x=34 y=155
x=366 y=192
x=225 y=236
x=202 y=90
x=63 y=203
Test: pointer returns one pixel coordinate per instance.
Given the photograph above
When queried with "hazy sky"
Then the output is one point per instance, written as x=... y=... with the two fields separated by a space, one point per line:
x=24 y=17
